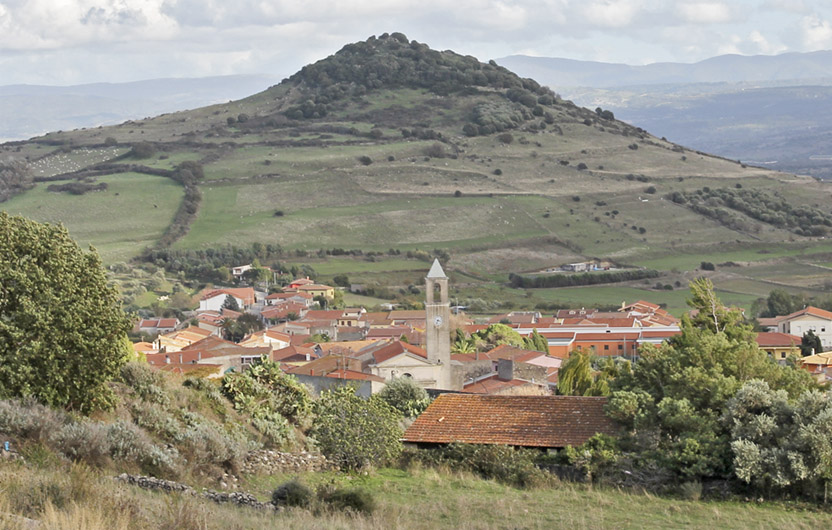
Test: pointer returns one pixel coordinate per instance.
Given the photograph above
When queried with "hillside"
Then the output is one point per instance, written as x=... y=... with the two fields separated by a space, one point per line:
x=389 y=144
x=31 y=110
x=766 y=110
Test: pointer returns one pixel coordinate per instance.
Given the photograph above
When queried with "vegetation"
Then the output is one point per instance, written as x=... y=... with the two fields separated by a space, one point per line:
x=356 y=433
x=585 y=278
x=63 y=335
x=766 y=207
x=15 y=178
x=675 y=401
x=406 y=396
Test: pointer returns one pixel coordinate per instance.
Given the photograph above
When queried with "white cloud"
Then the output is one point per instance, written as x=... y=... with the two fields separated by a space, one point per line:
x=816 y=33
x=706 y=12
x=612 y=13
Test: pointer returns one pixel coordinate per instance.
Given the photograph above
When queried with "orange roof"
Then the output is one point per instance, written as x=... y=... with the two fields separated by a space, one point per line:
x=352 y=375
x=492 y=385
x=246 y=294
x=395 y=348
x=505 y=351
x=527 y=421
x=144 y=347
x=777 y=339
x=811 y=310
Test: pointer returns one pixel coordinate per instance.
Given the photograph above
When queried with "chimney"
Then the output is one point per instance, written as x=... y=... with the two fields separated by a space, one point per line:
x=167 y=359
x=180 y=358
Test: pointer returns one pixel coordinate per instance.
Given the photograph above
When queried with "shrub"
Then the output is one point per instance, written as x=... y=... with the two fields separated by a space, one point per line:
x=498 y=172
x=576 y=198
x=505 y=138
x=404 y=395
x=581 y=166
x=146 y=382
x=457 y=193
x=365 y=160
x=707 y=266
x=435 y=150
x=293 y=493
x=83 y=441
x=691 y=491
x=358 y=500
x=28 y=419
x=651 y=190
x=355 y=433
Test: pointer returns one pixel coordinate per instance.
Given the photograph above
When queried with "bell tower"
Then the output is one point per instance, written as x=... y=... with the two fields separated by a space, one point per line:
x=438 y=329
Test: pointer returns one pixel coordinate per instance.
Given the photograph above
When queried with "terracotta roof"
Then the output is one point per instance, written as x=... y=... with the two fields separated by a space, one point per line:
x=352 y=375
x=406 y=315
x=246 y=294
x=493 y=385
x=527 y=421
x=159 y=323
x=777 y=339
x=144 y=347
x=395 y=348
x=505 y=351
x=811 y=310
x=293 y=353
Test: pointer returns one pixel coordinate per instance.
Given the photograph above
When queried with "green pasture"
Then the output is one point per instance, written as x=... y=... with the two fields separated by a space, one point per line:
x=120 y=222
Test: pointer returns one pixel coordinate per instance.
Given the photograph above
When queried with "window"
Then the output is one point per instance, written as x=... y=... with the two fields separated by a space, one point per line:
x=620 y=346
x=606 y=346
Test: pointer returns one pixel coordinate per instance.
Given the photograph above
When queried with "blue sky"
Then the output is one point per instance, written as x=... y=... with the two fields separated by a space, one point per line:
x=79 y=41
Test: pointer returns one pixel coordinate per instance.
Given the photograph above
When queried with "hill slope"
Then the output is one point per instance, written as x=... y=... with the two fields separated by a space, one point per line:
x=388 y=143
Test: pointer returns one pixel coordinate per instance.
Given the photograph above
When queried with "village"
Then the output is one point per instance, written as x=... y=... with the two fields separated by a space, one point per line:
x=324 y=348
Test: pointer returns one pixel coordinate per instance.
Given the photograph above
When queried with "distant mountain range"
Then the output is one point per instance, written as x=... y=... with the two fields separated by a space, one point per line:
x=32 y=110
x=766 y=110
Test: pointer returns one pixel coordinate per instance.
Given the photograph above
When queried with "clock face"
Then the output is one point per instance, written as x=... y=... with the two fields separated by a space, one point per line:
x=437 y=321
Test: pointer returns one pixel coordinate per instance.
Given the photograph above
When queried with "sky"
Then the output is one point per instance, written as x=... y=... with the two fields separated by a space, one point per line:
x=65 y=42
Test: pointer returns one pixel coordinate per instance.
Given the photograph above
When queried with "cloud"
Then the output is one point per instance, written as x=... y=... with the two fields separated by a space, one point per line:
x=816 y=33
x=706 y=12
x=612 y=13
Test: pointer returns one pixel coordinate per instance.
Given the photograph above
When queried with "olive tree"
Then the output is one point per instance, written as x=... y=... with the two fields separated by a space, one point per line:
x=63 y=335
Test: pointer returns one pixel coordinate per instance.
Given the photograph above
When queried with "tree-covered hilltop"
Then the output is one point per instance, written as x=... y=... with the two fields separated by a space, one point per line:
x=391 y=61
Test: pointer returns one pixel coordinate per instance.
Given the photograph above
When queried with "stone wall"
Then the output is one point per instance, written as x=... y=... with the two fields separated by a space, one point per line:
x=270 y=462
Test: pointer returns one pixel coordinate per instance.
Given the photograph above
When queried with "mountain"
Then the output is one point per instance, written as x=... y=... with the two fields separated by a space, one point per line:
x=770 y=110
x=558 y=73
x=31 y=110
x=388 y=144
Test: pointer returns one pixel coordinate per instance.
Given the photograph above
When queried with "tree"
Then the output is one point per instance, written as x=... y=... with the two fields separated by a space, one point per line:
x=673 y=400
x=355 y=433
x=537 y=342
x=810 y=344
x=63 y=335
x=778 y=443
x=230 y=303
x=575 y=375
x=404 y=395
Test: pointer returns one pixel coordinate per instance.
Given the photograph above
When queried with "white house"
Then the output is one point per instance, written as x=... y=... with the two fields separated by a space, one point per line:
x=809 y=319
x=213 y=300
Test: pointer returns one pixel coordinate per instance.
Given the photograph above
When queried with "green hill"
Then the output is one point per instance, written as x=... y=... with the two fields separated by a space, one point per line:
x=388 y=143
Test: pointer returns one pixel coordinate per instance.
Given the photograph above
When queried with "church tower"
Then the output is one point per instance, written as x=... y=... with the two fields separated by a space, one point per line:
x=438 y=332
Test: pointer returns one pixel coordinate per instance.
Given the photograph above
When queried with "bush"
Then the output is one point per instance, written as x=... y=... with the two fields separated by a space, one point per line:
x=355 y=433
x=581 y=166
x=498 y=172
x=691 y=491
x=357 y=500
x=365 y=160
x=707 y=266
x=404 y=395
x=293 y=493
x=505 y=138
x=28 y=419
x=83 y=441
x=457 y=193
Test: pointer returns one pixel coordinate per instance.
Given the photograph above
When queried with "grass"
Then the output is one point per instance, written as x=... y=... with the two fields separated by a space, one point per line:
x=120 y=222
x=418 y=499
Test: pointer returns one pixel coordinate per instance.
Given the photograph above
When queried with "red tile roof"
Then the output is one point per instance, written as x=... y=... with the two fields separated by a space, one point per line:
x=395 y=348
x=352 y=375
x=246 y=294
x=527 y=421
x=777 y=339
x=811 y=310
x=492 y=385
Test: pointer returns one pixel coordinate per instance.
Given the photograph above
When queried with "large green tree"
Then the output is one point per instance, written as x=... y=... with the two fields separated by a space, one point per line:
x=63 y=335
x=675 y=397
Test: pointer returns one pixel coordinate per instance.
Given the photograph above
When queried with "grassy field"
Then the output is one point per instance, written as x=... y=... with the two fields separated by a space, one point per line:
x=131 y=214
x=418 y=499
